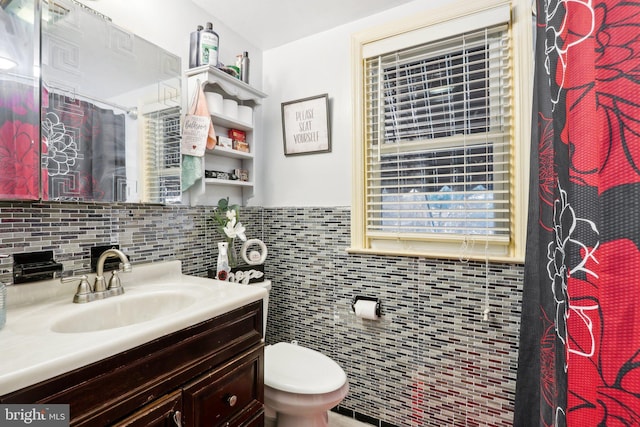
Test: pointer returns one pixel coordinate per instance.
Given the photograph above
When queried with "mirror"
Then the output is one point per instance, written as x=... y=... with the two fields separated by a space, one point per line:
x=19 y=101
x=109 y=110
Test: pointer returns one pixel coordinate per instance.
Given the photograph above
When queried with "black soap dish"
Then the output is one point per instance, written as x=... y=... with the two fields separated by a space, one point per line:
x=35 y=266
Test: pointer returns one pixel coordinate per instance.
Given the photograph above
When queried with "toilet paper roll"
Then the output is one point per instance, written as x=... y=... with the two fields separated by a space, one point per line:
x=366 y=309
x=214 y=102
x=245 y=114
x=230 y=107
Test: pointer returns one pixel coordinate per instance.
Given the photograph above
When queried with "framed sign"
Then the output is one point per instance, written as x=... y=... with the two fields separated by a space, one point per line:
x=305 y=125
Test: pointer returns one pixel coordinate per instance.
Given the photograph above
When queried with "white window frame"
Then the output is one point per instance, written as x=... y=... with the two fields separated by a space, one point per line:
x=418 y=29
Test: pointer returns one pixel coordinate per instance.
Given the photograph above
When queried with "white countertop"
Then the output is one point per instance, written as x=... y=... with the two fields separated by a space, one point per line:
x=31 y=352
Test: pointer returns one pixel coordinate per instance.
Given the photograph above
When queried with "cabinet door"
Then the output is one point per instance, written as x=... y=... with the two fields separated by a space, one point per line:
x=227 y=396
x=163 y=412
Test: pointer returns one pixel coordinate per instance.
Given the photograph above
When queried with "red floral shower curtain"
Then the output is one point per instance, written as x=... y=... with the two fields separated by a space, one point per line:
x=579 y=361
x=19 y=141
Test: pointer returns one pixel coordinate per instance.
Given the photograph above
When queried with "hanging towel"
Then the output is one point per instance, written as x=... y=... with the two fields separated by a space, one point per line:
x=198 y=132
x=192 y=144
x=199 y=108
x=191 y=171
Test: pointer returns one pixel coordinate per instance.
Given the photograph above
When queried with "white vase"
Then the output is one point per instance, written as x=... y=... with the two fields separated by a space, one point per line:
x=222 y=266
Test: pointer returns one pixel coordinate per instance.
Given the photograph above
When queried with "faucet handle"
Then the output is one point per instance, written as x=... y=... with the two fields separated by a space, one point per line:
x=72 y=278
x=83 y=293
x=115 y=286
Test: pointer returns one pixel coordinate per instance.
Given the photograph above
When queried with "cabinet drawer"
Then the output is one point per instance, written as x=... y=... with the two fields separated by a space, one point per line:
x=217 y=397
x=164 y=412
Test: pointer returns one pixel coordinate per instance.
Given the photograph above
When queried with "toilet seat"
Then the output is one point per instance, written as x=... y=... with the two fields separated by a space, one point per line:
x=296 y=369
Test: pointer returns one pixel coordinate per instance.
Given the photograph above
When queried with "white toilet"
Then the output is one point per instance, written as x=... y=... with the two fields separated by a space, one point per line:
x=300 y=384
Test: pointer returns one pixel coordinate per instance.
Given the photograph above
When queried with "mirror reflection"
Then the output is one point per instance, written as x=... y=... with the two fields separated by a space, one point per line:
x=102 y=123
x=110 y=110
x=19 y=101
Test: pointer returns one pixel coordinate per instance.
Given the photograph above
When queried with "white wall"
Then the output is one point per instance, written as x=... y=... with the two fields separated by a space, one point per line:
x=312 y=66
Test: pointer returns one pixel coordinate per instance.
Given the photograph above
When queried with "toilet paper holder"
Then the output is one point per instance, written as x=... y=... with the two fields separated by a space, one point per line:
x=362 y=298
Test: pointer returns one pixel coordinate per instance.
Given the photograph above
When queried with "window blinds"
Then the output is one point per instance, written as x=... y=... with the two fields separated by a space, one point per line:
x=438 y=138
x=162 y=156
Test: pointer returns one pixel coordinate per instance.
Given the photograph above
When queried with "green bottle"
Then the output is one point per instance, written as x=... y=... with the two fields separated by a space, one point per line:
x=208 y=50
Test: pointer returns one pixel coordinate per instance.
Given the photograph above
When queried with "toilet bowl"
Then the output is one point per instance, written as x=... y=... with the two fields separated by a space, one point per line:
x=300 y=384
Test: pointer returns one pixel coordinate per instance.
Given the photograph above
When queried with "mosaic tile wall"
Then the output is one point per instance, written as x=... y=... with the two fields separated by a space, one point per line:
x=147 y=233
x=430 y=361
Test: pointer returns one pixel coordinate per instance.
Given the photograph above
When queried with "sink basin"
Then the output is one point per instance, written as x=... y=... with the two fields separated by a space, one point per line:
x=123 y=310
x=158 y=300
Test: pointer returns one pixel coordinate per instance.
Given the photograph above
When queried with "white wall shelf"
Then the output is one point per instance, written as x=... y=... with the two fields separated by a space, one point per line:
x=229 y=122
x=228 y=152
x=207 y=191
x=232 y=86
x=227 y=182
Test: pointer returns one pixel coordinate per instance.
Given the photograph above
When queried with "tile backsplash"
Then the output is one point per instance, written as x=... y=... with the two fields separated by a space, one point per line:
x=430 y=361
x=146 y=232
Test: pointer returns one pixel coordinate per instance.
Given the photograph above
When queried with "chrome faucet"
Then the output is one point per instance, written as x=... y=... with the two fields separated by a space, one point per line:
x=100 y=289
x=84 y=293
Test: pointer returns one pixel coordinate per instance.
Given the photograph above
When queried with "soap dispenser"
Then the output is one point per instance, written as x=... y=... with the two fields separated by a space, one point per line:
x=222 y=265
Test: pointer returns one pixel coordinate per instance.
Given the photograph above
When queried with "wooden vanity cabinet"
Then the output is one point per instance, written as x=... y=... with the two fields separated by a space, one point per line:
x=208 y=374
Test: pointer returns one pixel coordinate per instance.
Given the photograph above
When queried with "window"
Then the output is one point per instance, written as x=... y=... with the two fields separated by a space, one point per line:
x=436 y=154
x=162 y=155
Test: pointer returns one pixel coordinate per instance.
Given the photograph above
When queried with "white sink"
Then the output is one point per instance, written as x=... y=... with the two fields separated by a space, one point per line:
x=158 y=300
x=123 y=310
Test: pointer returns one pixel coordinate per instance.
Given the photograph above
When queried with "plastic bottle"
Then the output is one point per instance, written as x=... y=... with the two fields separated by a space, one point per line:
x=244 y=67
x=208 y=46
x=194 y=44
x=222 y=264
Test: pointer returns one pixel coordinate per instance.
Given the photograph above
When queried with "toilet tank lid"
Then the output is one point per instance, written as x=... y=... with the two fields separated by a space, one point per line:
x=297 y=369
x=264 y=284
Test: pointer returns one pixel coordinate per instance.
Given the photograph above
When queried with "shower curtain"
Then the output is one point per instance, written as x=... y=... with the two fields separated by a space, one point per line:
x=19 y=141
x=83 y=151
x=579 y=360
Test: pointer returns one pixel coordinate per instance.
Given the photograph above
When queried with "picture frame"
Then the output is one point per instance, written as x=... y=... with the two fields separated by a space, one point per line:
x=305 y=126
